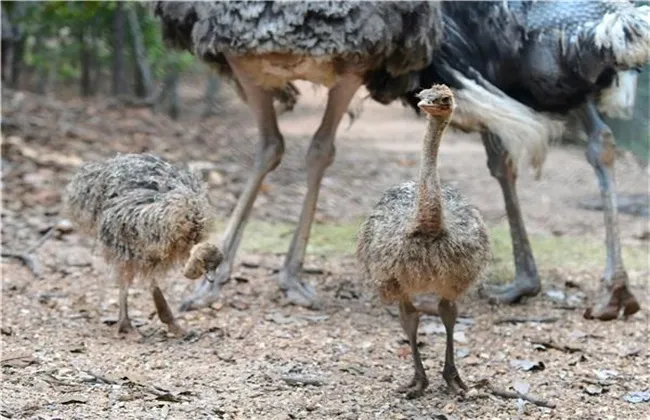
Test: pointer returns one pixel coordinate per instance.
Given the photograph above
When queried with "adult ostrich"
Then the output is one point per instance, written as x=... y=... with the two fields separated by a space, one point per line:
x=262 y=47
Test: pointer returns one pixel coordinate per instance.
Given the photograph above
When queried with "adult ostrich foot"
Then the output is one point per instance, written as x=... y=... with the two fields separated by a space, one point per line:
x=523 y=286
x=415 y=388
x=610 y=303
x=125 y=327
x=207 y=292
x=298 y=292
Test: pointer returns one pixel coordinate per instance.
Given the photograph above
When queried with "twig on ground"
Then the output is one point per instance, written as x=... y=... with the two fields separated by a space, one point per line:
x=302 y=380
x=31 y=261
x=512 y=395
x=523 y=320
x=27 y=260
x=101 y=378
x=566 y=307
x=552 y=345
x=9 y=359
x=515 y=395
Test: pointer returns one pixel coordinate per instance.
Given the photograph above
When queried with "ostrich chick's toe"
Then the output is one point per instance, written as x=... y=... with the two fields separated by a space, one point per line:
x=415 y=388
x=452 y=377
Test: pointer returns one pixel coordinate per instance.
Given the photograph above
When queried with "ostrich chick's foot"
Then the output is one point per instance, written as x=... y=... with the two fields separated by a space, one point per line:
x=523 y=286
x=165 y=313
x=297 y=291
x=415 y=388
x=455 y=383
x=613 y=300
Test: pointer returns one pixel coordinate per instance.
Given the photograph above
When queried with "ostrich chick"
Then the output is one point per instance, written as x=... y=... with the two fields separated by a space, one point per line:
x=424 y=237
x=148 y=216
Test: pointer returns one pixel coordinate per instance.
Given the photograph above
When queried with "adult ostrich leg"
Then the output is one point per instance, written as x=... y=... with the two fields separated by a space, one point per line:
x=269 y=154
x=616 y=294
x=600 y=154
x=502 y=167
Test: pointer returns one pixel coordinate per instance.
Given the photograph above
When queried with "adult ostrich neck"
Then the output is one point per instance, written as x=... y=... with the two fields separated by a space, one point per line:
x=429 y=218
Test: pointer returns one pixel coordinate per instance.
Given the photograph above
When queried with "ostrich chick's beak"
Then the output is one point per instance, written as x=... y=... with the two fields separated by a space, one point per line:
x=210 y=276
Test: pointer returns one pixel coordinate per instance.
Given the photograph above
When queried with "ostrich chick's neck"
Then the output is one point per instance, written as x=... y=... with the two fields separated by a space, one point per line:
x=429 y=218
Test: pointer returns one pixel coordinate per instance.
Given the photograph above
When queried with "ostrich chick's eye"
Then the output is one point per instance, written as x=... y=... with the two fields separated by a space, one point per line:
x=446 y=100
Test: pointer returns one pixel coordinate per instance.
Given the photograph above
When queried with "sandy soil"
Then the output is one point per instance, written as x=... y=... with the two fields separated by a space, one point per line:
x=252 y=357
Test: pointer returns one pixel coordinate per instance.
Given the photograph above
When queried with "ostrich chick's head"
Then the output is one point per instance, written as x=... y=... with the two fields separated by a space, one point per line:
x=204 y=260
x=437 y=101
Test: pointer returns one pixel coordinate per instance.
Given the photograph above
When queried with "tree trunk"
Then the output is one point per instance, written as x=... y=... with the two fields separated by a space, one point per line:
x=171 y=82
x=86 y=62
x=7 y=44
x=96 y=62
x=211 y=90
x=17 y=60
x=18 y=39
x=144 y=78
x=119 y=78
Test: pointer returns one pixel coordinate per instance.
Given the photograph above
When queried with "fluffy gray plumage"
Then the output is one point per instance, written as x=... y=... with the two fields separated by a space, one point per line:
x=396 y=37
x=145 y=212
x=399 y=264
x=424 y=237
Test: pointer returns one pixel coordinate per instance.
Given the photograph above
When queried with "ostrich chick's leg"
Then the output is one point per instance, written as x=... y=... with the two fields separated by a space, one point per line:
x=319 y=156
x=526 y=281
x=409 y=318
x=164 y=311
x=268 y=157
x=124 y=278
x=448 y=314
x=600 y=154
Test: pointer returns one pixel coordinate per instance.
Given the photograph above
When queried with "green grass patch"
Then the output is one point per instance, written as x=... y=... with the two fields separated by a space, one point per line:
x=550 y=251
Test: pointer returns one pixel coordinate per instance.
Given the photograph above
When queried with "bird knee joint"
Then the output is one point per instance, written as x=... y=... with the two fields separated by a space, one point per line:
x=272 y=155
x=602 y=151
x=320 y=154
x=502 y=167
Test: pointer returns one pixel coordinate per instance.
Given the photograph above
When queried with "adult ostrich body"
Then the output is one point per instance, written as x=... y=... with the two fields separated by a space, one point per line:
x=263 y=46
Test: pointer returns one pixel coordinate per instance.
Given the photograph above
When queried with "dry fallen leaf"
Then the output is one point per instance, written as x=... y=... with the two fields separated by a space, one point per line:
x=604 y=374
x=462 y=352
x=459 y=337
x=637 y=397
x=527 y=365
x=556 y=295
x=594 y=389
x=521 y=387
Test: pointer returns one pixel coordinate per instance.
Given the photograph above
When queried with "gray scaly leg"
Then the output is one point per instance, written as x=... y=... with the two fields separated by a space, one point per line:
x=448 y=314
x=268 y=157
x=526 y=282
x=409 y=318
x=600 y=154
x=319 y=156
x=124 y=325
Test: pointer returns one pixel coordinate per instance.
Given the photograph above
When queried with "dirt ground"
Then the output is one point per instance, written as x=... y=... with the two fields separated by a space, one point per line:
x=252 y=357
